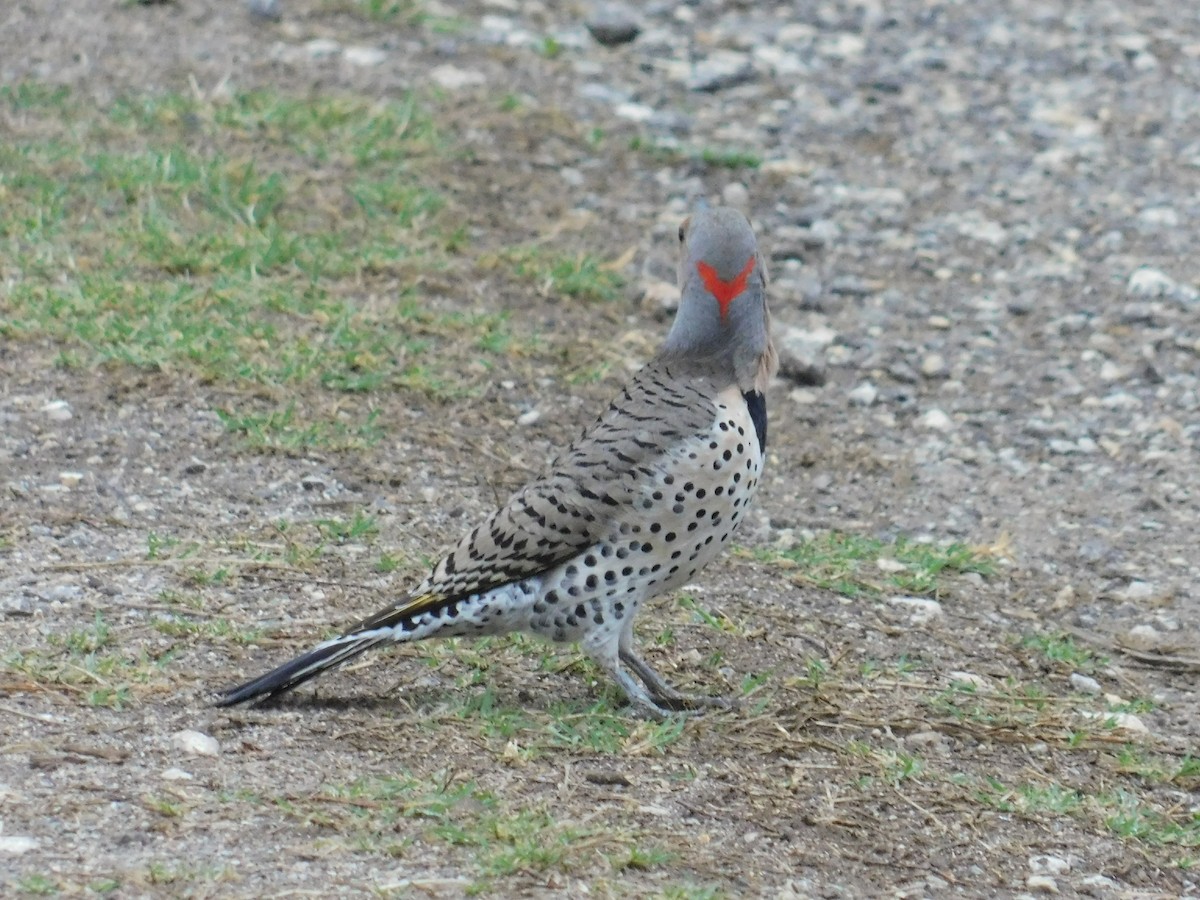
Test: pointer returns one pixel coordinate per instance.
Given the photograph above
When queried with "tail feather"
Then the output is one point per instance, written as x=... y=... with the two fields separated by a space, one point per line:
x=302 y=668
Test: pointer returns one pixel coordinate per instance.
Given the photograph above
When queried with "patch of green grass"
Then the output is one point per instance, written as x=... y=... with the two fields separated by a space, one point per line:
x=387 y=10
x=38 y=885
x=582 y=277
x=77 y=662
x=1016 y=705
x=1062 y=650
x=286 y=431
x=1121 y=813
x=692 y=892
x=360 y=528
x=159 y=872
x=550 y=47
x=243 y=240
x=110 y=697
x=104 y=886
x=1182 y=771
x=210 y=629
x=497 y=839
x=387 y=563
x=716 y=621
x=87 y=640
x=673 y=153
x=855 y=565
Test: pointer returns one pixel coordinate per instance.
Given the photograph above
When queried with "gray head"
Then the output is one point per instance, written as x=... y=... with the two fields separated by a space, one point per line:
x=723 y=318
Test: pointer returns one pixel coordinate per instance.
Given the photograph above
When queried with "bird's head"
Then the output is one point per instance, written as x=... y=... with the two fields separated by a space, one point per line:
x=723 y=313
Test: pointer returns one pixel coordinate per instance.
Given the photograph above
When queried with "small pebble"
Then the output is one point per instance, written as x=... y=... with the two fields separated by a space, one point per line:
x=321 y=48
x=57 y=410
x=195 y=743
x=936 y=420
x=659 y=298
x=1148 y=282
x=737 y=195
x=1085 y=684
x=17 y=844
x=16 y=606
x=934 y=366
x=864 y=395
x=364 y=56
x=1045 y=864
x=529 y=418
x=920 y=609
x=452 y=78
x=270 y=10
x=721 y=71
x=613 y=24
x=1043 y=883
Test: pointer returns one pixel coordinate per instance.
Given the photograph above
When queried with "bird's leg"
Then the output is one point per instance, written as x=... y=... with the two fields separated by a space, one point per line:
x=637 y=695
x=607 y=654
x=658 y=687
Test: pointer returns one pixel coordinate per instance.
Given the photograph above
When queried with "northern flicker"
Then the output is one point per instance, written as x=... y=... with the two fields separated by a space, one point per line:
x=637 y=506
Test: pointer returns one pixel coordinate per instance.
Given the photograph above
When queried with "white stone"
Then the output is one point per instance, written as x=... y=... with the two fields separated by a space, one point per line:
x=70 y=479
x=176 y=774
x=891 y=566
x=863 y=395
x=736 y=195
x=16 y=844
x=1097 y=885
x=528 y=418
x=1138 y=590
x=1085 y=684
x=934 y=366
x=634 y=112
x=936 y=420
x=1120 y=400
x=920 y=609
x=452 y=78
x=1155 y=217
x=842 y=45
x=364 y=56
x=1149 y=282
x=195 y=743
x=320 y=48
x=1043 y=883
x=1120 y=721
x=1045 y=864
x=57 y=410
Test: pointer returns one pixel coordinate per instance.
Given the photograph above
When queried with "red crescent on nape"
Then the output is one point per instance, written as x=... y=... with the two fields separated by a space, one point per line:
x=725 y=291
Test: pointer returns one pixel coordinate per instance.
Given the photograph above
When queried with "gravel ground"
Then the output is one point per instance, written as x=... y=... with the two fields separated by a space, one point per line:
x=981 y=220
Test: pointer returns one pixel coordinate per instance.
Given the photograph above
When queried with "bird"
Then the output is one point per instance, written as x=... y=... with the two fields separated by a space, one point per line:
x=646 y=497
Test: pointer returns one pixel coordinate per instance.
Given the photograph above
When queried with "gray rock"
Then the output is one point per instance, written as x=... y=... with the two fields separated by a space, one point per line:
x=720 y=72
x=864 y=395
x=801 y=356
x=19 y=605
x=270 y=10
x=613 y=24
x=1148 y=282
